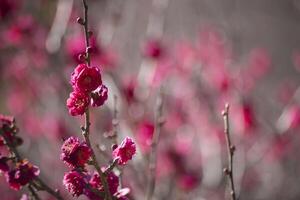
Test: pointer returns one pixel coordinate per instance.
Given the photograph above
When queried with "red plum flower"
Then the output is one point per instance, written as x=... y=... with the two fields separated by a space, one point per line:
x=77 y=103
x=125 y=151
x=75 y=153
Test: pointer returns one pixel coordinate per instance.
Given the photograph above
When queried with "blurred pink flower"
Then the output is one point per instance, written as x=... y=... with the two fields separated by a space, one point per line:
x=22 y=174
x=95 y=182
x=259 y=62
x=99 y=96
x=144 y=135
x=153 y=49
x=74 y=183
x=125 y=151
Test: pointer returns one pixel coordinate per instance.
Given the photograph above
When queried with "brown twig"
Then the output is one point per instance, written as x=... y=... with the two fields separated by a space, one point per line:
x=111 y=166
x=33 y=192
x=86 y=31
x=153 y=154
x=230 y=151
x=95 y=163
x=86 y=129
x=45 y=187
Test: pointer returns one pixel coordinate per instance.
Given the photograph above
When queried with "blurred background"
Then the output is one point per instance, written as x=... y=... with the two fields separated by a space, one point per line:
x=202 y=53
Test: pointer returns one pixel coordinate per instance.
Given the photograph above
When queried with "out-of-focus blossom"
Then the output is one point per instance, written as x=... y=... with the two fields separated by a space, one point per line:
x=125 y=151
x=19 y=31
x=7 y=7
x=3 y=164
x=22 y=174
x=95 y=182
x=75 y=153
x=5 y=121
x=259 y=62
x=144 y=136
x=9 y=130
x=248 y=116
x=153 y=49
x=128 y=88
x=77 y=103
x=188 y=181
x=74 y=183
x=99 y=96
x=212 y=49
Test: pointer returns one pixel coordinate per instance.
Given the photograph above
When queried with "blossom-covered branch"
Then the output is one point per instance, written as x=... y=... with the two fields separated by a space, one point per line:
x=88 y=90
x=23 y=172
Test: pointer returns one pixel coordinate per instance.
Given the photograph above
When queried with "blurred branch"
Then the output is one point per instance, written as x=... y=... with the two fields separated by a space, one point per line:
x=59 y=26
x=33 y=193
x=153 y=154
x=230 y=151
x=115 y=122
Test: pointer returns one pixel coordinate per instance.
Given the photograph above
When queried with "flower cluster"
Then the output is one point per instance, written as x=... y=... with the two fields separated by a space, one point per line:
x=87 y=88
x=82 y=183
x=20 y=172
x=79 y=181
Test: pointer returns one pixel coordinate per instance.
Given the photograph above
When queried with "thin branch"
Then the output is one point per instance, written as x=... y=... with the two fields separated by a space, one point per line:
x=153 y=154
x=115 y=121
x=95 y=163
x=111 y=166
x=86 y=31
x=33 y=193
x=86 y=129
x=45 y=187
x=230 y=151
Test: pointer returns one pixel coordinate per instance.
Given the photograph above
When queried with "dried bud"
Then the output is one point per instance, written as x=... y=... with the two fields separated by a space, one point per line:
x=80 y=21
x=89 y=49
x=81 y=57
x=90 y=33
x=232 y=148
x=226 y=171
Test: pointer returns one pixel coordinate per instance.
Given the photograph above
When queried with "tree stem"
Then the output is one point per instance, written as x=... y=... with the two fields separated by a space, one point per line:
x=230 y=151
x=153 y=153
